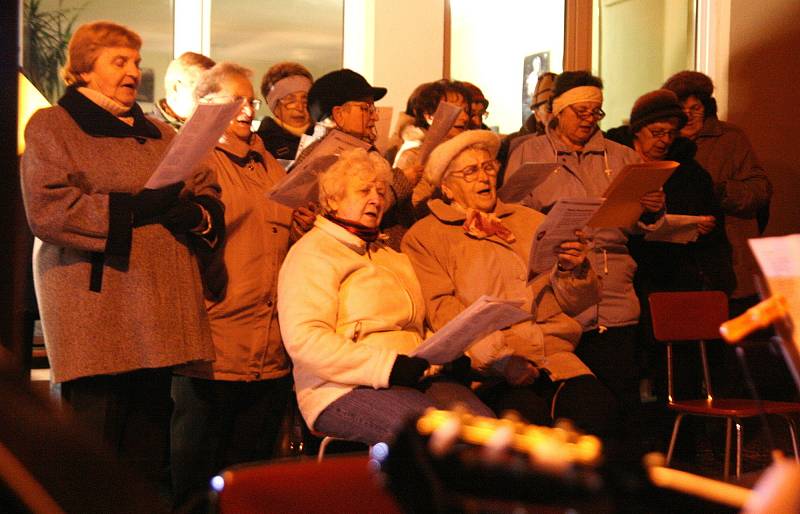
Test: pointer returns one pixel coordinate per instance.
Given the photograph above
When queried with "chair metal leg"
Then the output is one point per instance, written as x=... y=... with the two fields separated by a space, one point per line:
x=674 y=437
x=323 y=446
x=793 y=433
x=726 y=470
x=739 y=437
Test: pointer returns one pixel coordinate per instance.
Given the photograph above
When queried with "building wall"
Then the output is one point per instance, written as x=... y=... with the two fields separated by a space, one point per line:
x=763 y=74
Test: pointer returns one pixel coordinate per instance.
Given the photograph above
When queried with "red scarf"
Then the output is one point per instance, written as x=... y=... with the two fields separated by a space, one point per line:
x=482 y=225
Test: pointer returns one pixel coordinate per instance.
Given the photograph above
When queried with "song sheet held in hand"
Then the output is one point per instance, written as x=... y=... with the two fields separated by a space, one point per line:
x=484 y=316
x=622 y=207
x=677 y=228
x=566 y=216
x=524 y=180
x=196 y=138
x=300 y=186
x=443 y=120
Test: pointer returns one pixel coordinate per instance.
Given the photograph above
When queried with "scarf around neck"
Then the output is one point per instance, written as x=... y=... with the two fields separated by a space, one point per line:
x=482 y=225
x=366 y=234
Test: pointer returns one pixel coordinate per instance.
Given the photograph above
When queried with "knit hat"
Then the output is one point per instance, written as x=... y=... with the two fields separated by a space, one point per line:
x=337 y=88
x=687 y=83
x=443 y=155
x=658 y=105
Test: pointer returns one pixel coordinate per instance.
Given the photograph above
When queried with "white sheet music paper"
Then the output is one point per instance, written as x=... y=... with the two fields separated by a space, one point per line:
x=566 y=216
x=196 y=138
x=300 y=186
x=677 y=228
x=779 y=259
x=480 y=319
x=524 y=180
x=443 y=120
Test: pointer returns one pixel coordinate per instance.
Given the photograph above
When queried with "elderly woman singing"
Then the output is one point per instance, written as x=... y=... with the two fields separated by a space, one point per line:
x=351 y=311
x=472 y=244
x=117 y=282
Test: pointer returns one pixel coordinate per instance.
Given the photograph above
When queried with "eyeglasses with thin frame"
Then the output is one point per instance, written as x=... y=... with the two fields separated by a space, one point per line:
x=288 y=100
x=662 y=133
x=470 y=173
x=369 y=108
x=586 y=114
x=254 y=103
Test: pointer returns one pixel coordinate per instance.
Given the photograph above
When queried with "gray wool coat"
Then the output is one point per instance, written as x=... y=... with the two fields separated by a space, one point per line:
x=149 y=312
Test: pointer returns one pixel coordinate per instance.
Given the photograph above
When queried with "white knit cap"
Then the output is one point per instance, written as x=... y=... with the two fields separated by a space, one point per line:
x=443 y=155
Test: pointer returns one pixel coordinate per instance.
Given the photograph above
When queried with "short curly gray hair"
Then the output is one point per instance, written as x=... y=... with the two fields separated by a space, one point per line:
x=351 y=163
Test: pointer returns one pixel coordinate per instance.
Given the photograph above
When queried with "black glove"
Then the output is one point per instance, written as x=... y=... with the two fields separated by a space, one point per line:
x=183 y=217
x=407 y=371
x=148 y=204
x=460 y=369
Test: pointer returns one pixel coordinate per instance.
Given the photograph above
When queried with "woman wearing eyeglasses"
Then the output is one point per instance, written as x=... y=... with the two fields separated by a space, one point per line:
x=472 y=244
x=229 y=411
x=705 y=264
x=285 y=88
x=588 y=164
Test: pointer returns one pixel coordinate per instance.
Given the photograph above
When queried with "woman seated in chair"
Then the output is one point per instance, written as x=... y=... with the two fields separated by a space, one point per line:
x=351 y=311
x=472 y=244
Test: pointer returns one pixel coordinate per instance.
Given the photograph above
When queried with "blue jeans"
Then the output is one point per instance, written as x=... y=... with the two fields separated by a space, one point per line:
x=373 y=415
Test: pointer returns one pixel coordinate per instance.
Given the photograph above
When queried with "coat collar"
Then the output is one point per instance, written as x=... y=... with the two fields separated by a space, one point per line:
x=596 y=143
x=351 y=241
x=96 y=121
x=447 y=213
x=712 y=127
x=240 y=152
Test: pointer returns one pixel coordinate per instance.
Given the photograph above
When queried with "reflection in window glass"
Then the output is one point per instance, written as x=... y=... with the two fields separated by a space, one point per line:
x=48 y=25
x=260 y=33
x=632 y=61
x=502 y=47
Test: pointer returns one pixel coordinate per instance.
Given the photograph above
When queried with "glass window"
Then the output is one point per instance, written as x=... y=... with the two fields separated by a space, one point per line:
x=637 y=45
x=49 y=24
x=260 y=33
x=502 y=47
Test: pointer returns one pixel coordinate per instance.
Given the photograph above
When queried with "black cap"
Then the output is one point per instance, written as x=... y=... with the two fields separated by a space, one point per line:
x=337 y=88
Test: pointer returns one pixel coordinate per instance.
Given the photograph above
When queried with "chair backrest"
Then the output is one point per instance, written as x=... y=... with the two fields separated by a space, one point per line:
x=688 y=315
x=341 y=483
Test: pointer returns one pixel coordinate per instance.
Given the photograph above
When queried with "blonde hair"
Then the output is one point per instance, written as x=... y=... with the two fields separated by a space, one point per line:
x=351 y=163
x=88 y=41
x=210 y=81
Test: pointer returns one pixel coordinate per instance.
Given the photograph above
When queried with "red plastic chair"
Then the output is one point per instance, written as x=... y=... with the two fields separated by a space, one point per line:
x=338 y=484
x=695 y=317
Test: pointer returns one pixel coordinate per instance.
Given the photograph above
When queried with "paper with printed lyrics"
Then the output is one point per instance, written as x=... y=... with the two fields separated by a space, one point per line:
x=192 y=143
x=300 y=186
x=622 y=207
x=484 y=316
x=779 y=260
x=566 y=216
x=524 y=180
x=677 y=228
x=443 y=120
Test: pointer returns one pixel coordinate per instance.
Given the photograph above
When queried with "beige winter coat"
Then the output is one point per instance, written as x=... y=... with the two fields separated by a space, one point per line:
x=456 y=268
x=346 y=310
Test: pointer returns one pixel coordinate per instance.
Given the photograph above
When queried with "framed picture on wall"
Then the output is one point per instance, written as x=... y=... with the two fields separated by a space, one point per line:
x=532 y=67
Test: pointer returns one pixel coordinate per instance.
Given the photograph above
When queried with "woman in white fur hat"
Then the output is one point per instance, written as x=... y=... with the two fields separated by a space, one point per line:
x=472 y=244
